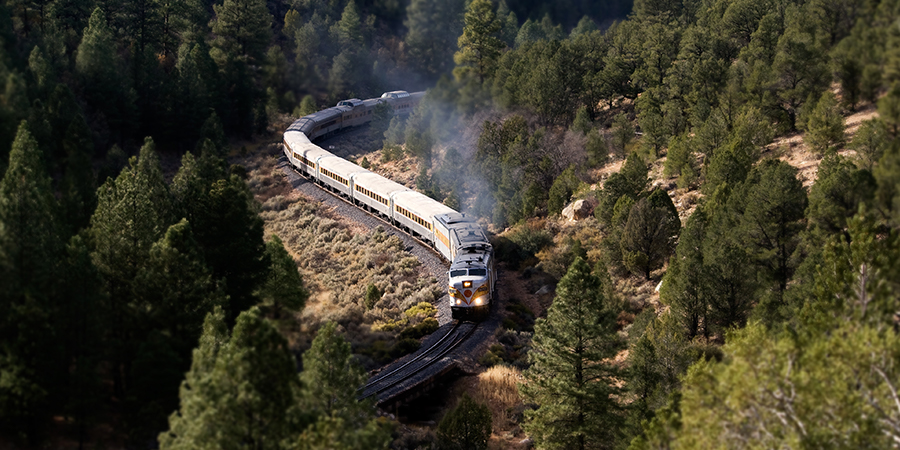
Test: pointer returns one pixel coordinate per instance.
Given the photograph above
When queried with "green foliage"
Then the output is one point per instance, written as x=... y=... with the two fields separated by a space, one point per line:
x=832 y=390
x=825 y=125
x=466 y=426
x=597 y=149
x=283 y=291
x=839 y=191
x=373 y=294
x=330 y=377
x=29 y=266
x=571 y=374
x=227 y=400
x=774 y=202
x=561 y=190
x=650 y=233
x=582 y=122
x=622 y=133
x=434 y=27
x=307 y=106
x=479 y=46
x=631 y=180
x=681 y=161
x=686 y=287
x=870 y=142
x=658 y=358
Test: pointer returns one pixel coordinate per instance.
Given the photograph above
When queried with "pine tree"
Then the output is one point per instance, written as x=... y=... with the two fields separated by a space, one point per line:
x=330 y=378
x=230 y=232
x=239 y=389
x=97 y=65
x=243 y=30
x=434 y=27
x=825 y=125
x=685 y=287
x=837 y=194
x=870 y=142
x=176 y=287
x=571 y=377
x=79 y=182
x=773 y=217
x=650 y=233
x=133 y=212
x=30 y=250
x=466 y=426
x=479 y=46
x=283 y=290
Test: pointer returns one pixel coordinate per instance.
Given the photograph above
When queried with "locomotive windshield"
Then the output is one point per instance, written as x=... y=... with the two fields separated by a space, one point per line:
x=472 y=272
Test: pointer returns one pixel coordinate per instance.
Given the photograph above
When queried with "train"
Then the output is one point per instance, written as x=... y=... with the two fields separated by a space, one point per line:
x=471 y=279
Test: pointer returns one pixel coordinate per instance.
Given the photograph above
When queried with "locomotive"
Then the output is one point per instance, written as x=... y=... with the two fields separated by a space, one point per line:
x=455 y=236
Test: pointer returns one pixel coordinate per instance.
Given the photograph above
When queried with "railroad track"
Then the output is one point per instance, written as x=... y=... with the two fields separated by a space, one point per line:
x=422 y=367
x=381 y=386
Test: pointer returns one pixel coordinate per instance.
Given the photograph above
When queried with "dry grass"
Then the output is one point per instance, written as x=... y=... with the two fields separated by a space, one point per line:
x=497 y=388
x=338 y=262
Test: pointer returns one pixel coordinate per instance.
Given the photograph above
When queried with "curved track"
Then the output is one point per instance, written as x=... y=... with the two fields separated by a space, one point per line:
x=436 y=356
x=383 y=386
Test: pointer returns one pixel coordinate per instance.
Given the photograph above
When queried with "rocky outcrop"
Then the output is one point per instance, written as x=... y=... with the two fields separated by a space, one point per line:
x=577 y=210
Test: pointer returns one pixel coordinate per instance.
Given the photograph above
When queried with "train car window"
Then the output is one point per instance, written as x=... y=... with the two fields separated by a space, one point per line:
x=458 y=273
x=478 y=272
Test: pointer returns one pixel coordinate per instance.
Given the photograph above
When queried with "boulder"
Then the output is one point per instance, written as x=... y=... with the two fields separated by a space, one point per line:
x=577 y=210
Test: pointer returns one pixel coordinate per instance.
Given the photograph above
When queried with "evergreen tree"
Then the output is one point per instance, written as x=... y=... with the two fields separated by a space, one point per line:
x=572 y=378
x=685 y=287
x=825 y=125
x=239 y=389
x=176 y=287
x=466 y=426
x=773 y=212
x=870 y=142
x=650 y=233
x=230 y=232
x=330 y=378
x=582 y=122
x=29 y=266
x=837 y=194
x=133 y=212
x=434 y=27
x=561 y=190
x=631 y=180
x=479 y=46
x=97 y=65
x=81 y=333
x=242 y=30
x=283 y=290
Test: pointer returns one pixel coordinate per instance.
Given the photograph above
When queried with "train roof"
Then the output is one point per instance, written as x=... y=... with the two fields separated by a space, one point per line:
x=395 y=94
x=421 y=204
x=353 y=102
x=469 y=259
x=296 y=138
x=452 y=218
x=378 y=184
x=340 y=166
x=310 y=151
x=327 y=114
x=470 y=233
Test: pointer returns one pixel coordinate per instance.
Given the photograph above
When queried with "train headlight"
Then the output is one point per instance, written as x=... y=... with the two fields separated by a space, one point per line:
x=458 y=301
x=467 y=284
x=478 y=300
